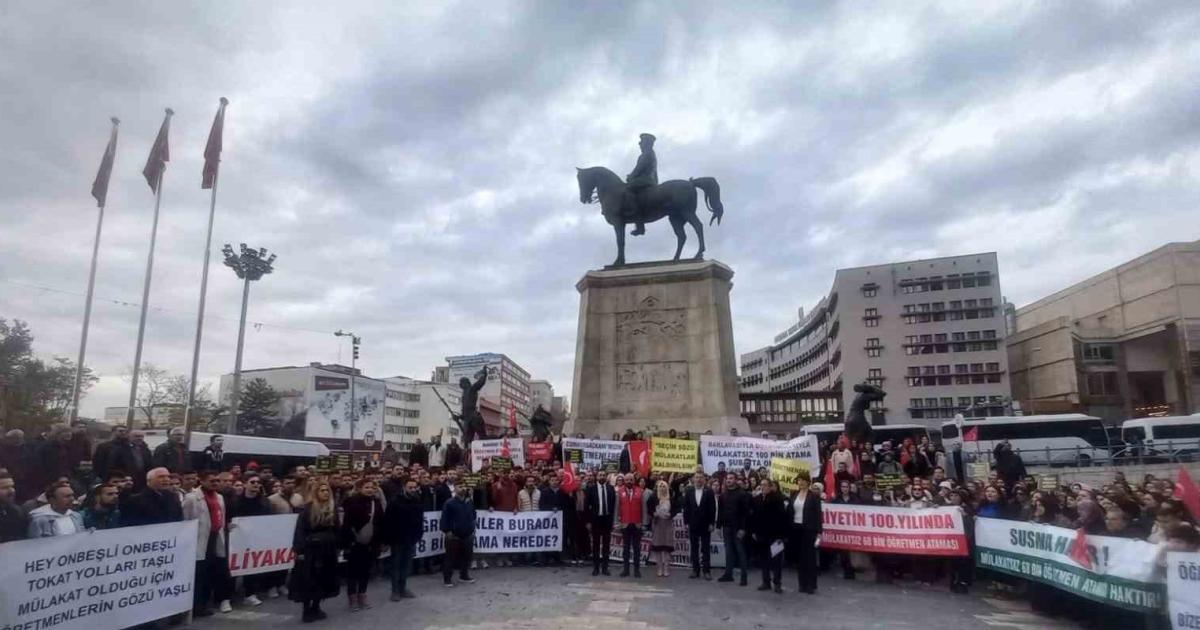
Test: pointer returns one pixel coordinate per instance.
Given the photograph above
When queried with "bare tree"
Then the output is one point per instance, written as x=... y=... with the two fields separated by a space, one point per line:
x=154 y=391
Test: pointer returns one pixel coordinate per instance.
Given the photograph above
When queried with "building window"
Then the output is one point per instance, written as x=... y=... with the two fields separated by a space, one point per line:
x=1099 y=353
x=874 y=352
x=871 y=323
x=873 y=342
x=1102 y=384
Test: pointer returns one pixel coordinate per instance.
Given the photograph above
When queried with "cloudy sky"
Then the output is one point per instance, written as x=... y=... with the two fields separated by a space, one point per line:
x=412 y=163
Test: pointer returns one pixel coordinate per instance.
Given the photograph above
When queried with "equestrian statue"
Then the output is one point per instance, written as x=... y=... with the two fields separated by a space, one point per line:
x=640 y=199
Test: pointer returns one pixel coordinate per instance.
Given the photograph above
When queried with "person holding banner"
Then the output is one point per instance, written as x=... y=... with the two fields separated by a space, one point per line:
x=805 y=518
x=207 y=505
x=253 y=502
x=315 y=576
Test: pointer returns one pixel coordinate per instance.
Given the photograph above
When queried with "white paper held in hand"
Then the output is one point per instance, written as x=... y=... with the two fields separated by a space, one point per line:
x=776 y=548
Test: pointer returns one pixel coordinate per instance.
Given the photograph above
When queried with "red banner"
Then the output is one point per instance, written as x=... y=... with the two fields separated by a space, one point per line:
x=539 y=451
x=871 y=529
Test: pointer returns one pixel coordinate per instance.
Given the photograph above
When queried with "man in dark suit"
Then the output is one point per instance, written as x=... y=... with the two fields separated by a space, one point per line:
x=804 y=514
x=601 y=505
x=700 y=516
x=156 y=504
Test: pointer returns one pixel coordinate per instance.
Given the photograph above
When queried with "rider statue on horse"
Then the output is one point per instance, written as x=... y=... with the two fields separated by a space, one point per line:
x=641 y=199
x=644 y=176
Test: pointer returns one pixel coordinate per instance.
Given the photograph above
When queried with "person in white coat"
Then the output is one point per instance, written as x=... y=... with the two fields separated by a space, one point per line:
x=207 y=506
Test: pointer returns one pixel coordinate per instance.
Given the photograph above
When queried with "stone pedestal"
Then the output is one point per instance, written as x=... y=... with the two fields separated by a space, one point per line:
x=655 y=350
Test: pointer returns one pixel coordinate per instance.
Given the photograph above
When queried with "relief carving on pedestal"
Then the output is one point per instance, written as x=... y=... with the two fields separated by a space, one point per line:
x=647 y=322
x=652 y=381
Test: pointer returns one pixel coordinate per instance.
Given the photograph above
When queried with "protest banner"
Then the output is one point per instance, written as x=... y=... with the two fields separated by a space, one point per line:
x=482 y=451
x=682 y=554
x=500 y=464
x=324 y=464
x=1183 y=589
x=673 y=455
x=471 y=480
x=592 y=453
x=113 y=578
x=611 y=467
x=539 y=451
x=342 y=462
x=1115 y=571
x=785 y=470
x=735 y=452
x=500 y=532
x=261 y=544
x=876 y=529
x=889 y=481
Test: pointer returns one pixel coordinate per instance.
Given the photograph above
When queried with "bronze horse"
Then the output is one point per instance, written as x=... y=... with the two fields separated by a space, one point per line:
x=675 y=199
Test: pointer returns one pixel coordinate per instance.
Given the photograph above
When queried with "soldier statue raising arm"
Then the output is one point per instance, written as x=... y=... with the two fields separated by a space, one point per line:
x=469 y=419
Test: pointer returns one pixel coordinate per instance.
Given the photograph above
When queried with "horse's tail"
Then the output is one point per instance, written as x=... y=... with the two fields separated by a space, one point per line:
x=712 y=196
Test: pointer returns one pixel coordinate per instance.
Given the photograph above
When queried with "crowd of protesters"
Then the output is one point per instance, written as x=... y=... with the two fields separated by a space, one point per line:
x=347 y=518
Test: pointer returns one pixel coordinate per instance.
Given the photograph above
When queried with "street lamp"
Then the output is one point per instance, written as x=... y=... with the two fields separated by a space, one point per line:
x=355 y=340
x=250 y=264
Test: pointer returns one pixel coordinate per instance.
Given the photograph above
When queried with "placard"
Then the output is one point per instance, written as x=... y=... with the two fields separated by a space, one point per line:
x=324 y=464
x=484 y=450
x=591 y=453
x=978 y=470
x=1047 y=482
x=611 y=467
x=734 y=452
x=674 y=455
x=878 y=529
x=112 y=578
x=260 y=544
x=500 y=464
x=784 y=472
x=1183 y=589
x=889 y=481
x=539 y=451
x=1114 y=571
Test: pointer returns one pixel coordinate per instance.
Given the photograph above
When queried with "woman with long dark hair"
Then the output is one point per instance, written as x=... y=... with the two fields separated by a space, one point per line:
x=362 y=515
x=315 y=576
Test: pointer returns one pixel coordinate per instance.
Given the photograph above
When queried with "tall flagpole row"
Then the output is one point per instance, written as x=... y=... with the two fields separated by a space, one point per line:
x=137 y=356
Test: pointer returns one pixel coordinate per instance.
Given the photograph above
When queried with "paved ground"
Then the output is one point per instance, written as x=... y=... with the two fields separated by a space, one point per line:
x=554 y=599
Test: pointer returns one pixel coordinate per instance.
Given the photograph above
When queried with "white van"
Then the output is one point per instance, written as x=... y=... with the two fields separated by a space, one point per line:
x=1057 y=440
x=1167 y=437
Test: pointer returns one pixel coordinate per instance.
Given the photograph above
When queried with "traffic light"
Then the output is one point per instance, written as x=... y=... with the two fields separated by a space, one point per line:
x=357 y=340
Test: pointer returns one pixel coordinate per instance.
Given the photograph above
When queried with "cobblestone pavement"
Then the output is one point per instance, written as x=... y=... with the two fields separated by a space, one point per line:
x=558 y=598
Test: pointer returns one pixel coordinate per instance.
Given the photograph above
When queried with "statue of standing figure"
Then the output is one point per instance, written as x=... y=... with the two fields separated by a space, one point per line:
x=858 y=428
x=469 y=419
x=540 y=423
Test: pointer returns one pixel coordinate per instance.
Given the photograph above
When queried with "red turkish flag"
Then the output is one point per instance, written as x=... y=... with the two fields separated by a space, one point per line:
x=1187 y=492
x=505 y=451
x=830 y=481
x=639 y=456
x=570 y=481
x=1079 y=552
x=512 y=415
x=972 y=435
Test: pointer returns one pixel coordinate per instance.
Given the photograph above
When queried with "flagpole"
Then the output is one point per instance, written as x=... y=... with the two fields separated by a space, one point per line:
x=87 y=308
x=137 y=355
x=212 y=211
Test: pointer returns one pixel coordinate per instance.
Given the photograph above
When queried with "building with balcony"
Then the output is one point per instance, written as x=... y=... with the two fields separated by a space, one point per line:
x=929 y=332
x=1122 y=344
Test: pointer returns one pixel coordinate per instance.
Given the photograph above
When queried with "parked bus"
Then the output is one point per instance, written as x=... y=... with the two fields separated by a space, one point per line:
x=1056 y=440
x=1171 y=438
x=278 y=453
x=897 y=433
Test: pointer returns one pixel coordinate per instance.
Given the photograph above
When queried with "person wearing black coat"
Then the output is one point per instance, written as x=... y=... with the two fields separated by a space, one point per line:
x=700 y=517
x=173 y=454
x=804 y=521
x=768 y=526
x=252 y=502
x=419 y=454
x=315 y=574
x=403 y=526
x=601 y=504
x=361 y=525
x=156 y=504
x=116 y=454
x=733 y=516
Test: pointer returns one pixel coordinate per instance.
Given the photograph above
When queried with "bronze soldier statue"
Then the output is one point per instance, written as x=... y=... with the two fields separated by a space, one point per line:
x=858 y=428
x=469 y=420
x=644 y=176
x=540 y=423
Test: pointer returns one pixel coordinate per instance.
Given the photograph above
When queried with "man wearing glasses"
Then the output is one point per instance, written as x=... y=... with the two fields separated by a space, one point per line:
x=253 y=502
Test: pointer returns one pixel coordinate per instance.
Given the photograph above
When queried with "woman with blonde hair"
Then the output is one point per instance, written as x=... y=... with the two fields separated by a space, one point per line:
x=662 y=527
x=315 y=576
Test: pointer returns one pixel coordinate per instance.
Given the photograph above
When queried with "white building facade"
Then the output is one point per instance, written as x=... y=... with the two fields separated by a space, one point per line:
x=413 y=410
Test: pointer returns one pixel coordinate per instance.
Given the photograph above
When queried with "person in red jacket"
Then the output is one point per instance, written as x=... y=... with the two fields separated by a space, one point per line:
x=632 y=518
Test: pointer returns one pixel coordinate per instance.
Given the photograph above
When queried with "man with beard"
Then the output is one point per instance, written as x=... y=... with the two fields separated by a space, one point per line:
x=13 y=521
x=403 y=525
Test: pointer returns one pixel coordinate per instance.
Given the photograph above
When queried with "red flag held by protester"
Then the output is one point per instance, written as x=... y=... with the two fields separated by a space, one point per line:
x=100 y=184
x=639 y=456
x=212 y=150
x=505 y=451
x=971 y=435
x=512 y=415
x=1187 y=492
x=160 y=154
x=570 y=481
x=830 y=481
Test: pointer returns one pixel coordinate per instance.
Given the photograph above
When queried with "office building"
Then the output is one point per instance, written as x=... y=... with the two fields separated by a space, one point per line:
x=414 y=409
x=929 y=332
x=1122 y=344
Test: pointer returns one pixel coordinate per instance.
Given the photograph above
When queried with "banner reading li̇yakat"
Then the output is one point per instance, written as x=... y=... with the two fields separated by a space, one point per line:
x=673 y=455
x=482 y=451
x=1114 y=571
x=113 y=578
x=592 y=454
x=876 y=529
x=261 y=544
x=735 y=452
